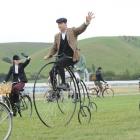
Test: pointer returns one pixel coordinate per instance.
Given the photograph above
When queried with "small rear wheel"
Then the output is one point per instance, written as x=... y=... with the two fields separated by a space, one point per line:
x=93 y=106
x=84 y=115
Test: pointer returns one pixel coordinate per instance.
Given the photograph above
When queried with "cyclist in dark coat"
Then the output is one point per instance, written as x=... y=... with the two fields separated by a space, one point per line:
x=18 y=77
x=99 y=79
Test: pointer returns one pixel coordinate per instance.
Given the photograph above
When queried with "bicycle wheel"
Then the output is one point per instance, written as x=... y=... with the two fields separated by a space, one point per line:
x=84 y=115
x=7 y=102
x=5 y=122
x=25 y=105
x=53 y=106
x=83 y=91
x=108 y=92
x=93 y=106
x=93 y=93
x=85 y=94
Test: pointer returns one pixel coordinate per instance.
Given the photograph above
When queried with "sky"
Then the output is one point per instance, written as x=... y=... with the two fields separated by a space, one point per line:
x=34 y=20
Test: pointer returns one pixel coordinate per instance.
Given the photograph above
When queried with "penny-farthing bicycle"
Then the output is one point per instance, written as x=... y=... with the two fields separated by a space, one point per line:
x=86 y=98
x=55 y=106
x=84 y=114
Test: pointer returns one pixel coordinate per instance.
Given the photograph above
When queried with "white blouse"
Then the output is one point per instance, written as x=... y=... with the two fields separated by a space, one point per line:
x=16 y=69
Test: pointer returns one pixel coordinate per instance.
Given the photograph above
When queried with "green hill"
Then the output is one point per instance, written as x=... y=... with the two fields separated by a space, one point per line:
x=117 y=54
x=36 y=50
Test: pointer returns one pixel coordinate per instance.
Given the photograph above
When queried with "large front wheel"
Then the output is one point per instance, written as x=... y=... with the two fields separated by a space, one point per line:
x=54 y=106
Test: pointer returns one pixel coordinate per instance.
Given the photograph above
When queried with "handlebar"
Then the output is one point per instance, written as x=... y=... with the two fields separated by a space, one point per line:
x=56 y=56
x=61 y=56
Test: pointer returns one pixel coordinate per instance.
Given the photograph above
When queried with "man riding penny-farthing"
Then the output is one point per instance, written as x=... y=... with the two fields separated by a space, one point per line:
x=67 y=54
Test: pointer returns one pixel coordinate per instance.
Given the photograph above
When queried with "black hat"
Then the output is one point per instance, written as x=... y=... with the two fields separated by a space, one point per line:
x=16 y=57
x=61 y=20
x=99 y=68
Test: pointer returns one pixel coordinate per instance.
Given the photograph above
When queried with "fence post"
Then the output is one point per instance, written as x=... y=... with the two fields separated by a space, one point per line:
x=139 y=84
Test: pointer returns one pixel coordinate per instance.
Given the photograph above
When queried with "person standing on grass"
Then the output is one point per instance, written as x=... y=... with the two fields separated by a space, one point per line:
x=65 y=45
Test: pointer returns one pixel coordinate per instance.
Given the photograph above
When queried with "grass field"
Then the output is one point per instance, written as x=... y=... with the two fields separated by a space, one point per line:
x=117 y=118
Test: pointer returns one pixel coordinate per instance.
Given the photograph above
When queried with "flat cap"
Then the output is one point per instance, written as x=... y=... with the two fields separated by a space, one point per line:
x=61 y=20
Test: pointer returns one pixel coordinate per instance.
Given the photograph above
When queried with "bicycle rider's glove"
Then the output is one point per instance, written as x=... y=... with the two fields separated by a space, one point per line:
x=28 y=58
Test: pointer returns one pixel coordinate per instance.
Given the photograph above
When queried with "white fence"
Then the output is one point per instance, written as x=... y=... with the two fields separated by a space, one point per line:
x=42 y=86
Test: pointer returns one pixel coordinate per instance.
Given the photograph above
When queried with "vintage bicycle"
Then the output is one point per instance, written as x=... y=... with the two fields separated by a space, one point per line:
x=65 y=101
x=106 y=91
